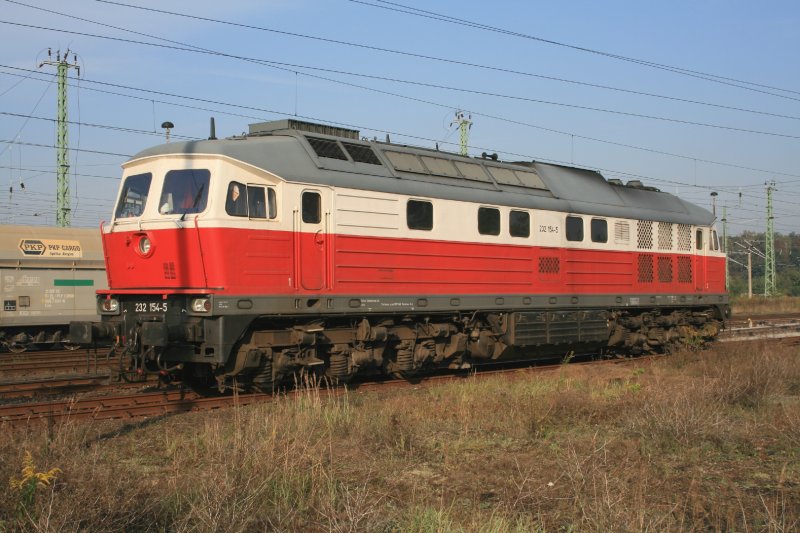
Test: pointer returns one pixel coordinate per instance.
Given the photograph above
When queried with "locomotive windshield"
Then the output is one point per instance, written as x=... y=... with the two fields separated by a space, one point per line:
x=184 y=192
x=134 y=196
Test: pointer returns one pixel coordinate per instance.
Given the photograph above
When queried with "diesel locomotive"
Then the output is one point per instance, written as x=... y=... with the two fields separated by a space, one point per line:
x=302 y=247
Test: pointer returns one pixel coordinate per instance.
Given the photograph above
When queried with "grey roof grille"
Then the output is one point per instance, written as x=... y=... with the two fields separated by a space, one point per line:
x=326 y=148
x=361 y=153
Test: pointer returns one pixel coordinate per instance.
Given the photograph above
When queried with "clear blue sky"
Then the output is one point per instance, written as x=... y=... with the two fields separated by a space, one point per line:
x=524 y=114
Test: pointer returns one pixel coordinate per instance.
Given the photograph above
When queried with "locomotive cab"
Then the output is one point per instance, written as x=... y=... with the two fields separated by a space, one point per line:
x=185 y=229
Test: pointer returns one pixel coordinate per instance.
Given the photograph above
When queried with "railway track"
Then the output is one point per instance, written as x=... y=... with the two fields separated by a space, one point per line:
x=168 y=401
x=55 y=362
x=762 y=329
x=178 y=400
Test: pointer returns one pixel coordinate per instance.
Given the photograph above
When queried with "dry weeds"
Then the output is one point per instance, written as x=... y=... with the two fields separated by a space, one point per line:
x=758 y=305
x=698 y=441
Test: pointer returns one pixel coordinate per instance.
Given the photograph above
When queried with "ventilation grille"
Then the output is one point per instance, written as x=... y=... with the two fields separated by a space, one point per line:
x=326 y=148
x=645 y=235
x=549 y=265
x=685 y=269
x=169 y=270
x=665 y=269
x=645 y=269
x=664 y=236
x=361 y=153
x=684 y=237
x=622 y=233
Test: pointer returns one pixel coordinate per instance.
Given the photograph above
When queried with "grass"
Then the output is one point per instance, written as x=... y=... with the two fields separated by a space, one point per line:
x=697 y=441
x=758 y=305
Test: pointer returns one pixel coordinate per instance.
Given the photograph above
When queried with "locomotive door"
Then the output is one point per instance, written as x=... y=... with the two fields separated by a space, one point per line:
x=311 y=232
x=699 y=261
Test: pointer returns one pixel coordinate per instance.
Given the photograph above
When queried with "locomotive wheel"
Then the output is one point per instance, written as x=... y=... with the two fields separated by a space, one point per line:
x=198 y=379
x=403 y=367
x=338 y=371
x=17 y=348
x=264 y=381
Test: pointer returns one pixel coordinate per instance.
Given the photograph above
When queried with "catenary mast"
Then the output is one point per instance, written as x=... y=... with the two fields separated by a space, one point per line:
x=62 y=142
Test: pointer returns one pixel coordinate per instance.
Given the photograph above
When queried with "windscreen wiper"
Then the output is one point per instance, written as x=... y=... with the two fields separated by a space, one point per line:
x=196 y=200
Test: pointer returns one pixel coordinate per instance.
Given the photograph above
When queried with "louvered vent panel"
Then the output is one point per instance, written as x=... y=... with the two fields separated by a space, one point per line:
x=622 y=233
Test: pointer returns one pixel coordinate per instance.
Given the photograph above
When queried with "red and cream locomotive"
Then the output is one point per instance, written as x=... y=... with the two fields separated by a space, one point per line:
x=303 y=247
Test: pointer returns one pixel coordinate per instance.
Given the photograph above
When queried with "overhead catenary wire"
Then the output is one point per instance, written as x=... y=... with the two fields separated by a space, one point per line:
x=283 y=64
x=393 y=6
x=614 y=171
x=372 y=128
x=398 y=52
x=649 y=177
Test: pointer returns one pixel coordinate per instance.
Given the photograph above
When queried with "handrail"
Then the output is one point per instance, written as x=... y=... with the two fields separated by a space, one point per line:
x=200 y=248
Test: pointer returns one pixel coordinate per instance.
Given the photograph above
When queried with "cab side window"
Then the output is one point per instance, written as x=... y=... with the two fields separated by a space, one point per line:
x=236 y=200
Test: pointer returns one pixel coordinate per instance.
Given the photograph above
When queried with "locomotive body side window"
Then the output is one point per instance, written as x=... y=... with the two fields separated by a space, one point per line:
x=185 y=192
x=272 y=204
x=134 y=196
x=488 y=221
x=699 y=240
x=236 y=199
x=599 y=230
x=256 y=202
x=419 y=215
x=312 y=207
x=574 y=229
x=519 y=224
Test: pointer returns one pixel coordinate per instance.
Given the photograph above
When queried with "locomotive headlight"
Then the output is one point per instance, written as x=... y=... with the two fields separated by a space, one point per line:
x=201 y=305
x=109 y=305
x=145 y=246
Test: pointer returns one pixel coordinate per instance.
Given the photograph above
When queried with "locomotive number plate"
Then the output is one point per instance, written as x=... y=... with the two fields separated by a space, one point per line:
x=150 y=307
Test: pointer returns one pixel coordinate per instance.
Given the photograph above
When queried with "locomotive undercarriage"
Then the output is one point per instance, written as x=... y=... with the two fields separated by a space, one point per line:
x=402 y=346
x=267 y=352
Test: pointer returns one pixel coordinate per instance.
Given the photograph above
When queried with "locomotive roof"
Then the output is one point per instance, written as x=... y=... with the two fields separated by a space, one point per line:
x=47 y=246
x=325 y=155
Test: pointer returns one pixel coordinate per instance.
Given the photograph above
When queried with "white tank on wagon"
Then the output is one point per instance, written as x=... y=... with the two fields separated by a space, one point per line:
x=48 y=277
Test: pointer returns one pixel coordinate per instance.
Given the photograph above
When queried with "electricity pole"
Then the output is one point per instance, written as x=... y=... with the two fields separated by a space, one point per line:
x=464 y=124
x=770 y=288
x=62 y=162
